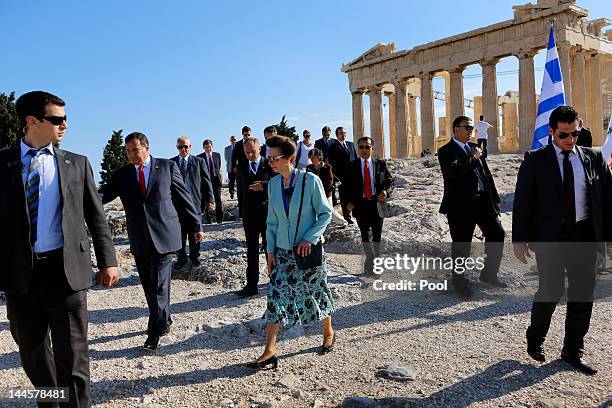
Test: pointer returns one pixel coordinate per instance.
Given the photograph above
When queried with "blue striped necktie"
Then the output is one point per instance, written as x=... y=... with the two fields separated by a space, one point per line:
x=32 y=191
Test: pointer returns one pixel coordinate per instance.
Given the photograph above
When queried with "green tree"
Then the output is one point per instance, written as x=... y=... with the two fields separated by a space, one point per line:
x=10 y=129
x=114 y=156
x=285 y=130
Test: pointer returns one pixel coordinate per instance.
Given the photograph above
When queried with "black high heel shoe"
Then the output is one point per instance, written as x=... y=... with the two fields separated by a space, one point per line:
x=258 y=365
x=327 y=349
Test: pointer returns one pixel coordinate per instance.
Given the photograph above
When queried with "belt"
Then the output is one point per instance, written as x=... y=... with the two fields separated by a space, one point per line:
x=39 y=256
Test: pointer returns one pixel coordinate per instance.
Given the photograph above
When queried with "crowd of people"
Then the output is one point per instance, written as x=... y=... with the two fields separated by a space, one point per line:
x=286 y=197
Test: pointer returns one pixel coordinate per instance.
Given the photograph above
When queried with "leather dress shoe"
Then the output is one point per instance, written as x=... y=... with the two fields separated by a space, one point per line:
x=575 y=360
x=537 y=353
x=151 y=343
x=246 y=292
x=493 y=281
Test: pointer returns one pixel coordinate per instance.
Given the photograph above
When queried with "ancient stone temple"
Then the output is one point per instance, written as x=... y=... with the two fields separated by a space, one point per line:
x=405 y=77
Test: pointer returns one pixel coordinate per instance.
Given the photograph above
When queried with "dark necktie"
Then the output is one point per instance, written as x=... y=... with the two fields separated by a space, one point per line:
x=253 y=169
x=211 y=167
x=32 y=191
x=183 y=167
x=141 y=180
x=477 y=171
x=569 y=199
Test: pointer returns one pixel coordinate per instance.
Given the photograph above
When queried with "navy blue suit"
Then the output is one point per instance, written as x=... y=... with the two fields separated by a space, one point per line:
x=154 y=229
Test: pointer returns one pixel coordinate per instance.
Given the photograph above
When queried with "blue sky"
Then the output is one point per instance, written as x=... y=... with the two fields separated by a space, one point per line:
x=205 y=69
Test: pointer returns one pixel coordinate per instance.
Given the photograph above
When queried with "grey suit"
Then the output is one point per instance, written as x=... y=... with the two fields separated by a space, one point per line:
x=154 y=229
x=50 y=293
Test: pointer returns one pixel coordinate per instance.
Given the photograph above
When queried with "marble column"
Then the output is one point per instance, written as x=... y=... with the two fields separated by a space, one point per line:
x=578 y=74
x=376 y=121
x=456 y=94
x=414 y=138
x=427 y=113
x=594 y=97
x=527 y=109
x=563 y=49
x=402 y=119
x=358 y=120
x=510 y=120
x=392 y=133
x=489 y=102
x=447 y=102
x=477 y=108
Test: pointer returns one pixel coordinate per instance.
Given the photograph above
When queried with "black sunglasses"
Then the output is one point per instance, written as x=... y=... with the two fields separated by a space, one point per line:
x=55 y=120
x=564 y=135
x=182 y=147
x=365 y=147
x=467 y=127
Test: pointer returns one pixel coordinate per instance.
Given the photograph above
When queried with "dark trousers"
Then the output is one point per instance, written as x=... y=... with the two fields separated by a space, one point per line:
x=155 y=271
x=368 y=220
x=576 y=256
x=254 y=227
x=216 y=184
x=194 y=246
x=231 y=184
x=482 y=143
x=462 y=227
x=344 y=201
x=52 y=307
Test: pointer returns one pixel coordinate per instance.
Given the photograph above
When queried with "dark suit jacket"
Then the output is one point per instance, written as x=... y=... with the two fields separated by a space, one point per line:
x=319 y=144
x=217 y=163
x=199 y=184
x=460 y=181
x=340 y=158
x=354 y=181
x=238 y=156
x=79 y=201
x=537 y=214
x=254 y=203
x=585 y=139
x=154 y=218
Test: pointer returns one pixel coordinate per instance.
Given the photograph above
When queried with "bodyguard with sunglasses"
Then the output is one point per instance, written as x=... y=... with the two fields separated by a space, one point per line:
x=470 y=199
x=48 y=196
x=562 y=212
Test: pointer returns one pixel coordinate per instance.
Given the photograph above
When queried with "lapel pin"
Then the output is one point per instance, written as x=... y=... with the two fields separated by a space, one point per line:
x=67 y=161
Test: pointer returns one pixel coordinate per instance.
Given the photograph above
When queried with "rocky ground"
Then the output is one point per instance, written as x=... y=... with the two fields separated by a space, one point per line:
x=394 y=348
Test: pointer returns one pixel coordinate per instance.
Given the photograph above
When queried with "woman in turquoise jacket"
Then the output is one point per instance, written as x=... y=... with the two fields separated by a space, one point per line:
x=294 y=296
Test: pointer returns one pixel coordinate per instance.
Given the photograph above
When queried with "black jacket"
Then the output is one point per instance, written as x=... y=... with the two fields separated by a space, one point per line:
x=218 y=177
x=339 y=158
x=254 y=203
x=80 y=205
x=320 y=144
x=198 y=182
x=354 y=182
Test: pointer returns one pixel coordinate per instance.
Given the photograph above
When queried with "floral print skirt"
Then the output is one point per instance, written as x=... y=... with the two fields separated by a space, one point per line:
x=297 y=296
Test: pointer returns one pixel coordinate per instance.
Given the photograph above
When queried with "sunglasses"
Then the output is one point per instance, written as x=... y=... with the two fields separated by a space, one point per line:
x=274 y=159
x=467 y=127
x=55 y=120
x=182 y=147
x=564 y=135
x=365 y=147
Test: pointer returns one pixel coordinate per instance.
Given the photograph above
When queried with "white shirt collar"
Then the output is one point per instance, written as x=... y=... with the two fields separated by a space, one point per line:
x=146 y=163
x=558 y=150
x=25 y=148
x=461 y=144
x=363 y=161
x=185 y=158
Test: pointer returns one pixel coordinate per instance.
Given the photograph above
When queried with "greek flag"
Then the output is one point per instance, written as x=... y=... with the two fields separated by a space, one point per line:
x=552 y=94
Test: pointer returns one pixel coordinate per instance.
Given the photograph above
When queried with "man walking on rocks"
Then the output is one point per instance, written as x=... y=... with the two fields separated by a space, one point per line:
x=562 y=209
x=153 y=195
x=470 y=199
x=231 y=174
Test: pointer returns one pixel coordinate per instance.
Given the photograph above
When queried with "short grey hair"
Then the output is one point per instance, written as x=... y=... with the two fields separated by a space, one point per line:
x=252 y=139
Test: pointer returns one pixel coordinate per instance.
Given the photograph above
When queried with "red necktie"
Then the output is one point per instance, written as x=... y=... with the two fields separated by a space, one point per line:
x=141 y=180
x=367 y=181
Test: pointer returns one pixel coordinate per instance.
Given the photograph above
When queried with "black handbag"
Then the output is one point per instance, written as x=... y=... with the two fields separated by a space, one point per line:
x=315 y=258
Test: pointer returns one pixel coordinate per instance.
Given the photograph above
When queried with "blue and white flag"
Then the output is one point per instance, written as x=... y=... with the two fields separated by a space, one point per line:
x=552 y=94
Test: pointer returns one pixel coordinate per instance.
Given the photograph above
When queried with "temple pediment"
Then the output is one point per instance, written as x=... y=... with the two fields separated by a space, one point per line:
x=377 y=51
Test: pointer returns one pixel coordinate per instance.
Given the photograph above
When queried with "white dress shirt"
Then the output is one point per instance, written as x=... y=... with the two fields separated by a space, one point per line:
x=49 y=234
x=580 y=187
x=371 y=167
x=256 y=165
x=146 y=169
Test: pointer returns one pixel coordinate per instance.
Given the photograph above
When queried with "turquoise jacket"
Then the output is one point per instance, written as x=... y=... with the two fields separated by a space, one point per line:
x=316 y=213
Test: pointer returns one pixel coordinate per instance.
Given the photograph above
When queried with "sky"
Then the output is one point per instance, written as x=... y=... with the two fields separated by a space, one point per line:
x=205 y=69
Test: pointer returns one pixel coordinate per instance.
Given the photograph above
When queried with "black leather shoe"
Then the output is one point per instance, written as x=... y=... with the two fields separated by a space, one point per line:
x=151 y=343
x=168 y=329
x=493 y=282
x=246 y=292
x=537 y=353
x=327 y=349
x=180 y=264
x=258 y=365
x=576 y=361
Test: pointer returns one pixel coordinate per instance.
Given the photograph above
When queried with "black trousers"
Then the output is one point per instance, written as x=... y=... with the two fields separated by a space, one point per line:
x=368 y=220
x=155 y=271
x=216 y=184
x=254 y=227
x=231 y=184
x=482 y=143
x=194 y=246
x=52 y=307
x=576 y=257
x=344 y=201
x=462 y=226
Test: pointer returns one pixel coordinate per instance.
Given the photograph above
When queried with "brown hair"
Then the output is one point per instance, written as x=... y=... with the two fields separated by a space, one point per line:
x=285 y=144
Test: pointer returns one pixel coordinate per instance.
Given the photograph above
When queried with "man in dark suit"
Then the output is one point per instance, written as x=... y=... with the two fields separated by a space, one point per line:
x=231 y=174
x=470 y=199
x=153 y=196
x=238 y=157
x=341 y=153
x=213 y=162
x=367 y=182
x=586 y=138
x=197 y=180
x=561 y=211
x=255 y=173
x=324 y=144
x=48 y=195
x=268 y=132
